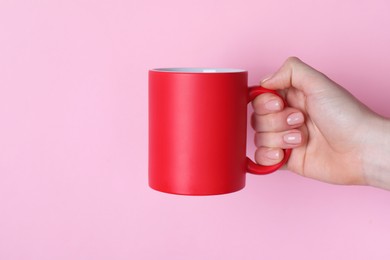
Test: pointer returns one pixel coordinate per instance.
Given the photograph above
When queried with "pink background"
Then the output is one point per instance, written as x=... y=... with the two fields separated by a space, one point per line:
x=73 y=129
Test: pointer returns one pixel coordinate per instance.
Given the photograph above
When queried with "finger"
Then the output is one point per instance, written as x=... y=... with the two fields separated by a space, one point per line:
x=287 y=119
x=284 y=140
x=295 y=73
x=267 y=103
x=268 y=156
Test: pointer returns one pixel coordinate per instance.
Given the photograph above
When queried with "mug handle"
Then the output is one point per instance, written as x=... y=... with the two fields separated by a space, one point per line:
x=252 y=167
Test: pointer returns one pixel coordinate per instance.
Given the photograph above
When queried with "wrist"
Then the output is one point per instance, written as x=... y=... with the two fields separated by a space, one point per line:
x=376 y=153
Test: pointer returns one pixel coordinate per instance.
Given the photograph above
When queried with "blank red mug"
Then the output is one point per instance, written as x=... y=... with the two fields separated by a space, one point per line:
x=197 y=130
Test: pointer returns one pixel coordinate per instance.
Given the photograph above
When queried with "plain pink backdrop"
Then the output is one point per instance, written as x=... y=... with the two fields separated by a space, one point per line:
x=73 y=129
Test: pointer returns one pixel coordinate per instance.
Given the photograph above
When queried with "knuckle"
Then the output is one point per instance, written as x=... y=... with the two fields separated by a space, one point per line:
x=292 y=60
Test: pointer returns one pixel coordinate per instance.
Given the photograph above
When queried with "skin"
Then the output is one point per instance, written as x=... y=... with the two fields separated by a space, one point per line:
x=335 y=138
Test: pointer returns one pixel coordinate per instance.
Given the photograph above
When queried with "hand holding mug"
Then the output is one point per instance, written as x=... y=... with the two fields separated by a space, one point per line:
x=197 y=130
x=335 y=138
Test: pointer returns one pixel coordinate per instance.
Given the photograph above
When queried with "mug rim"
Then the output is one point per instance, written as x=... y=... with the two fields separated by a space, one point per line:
x=198 y=70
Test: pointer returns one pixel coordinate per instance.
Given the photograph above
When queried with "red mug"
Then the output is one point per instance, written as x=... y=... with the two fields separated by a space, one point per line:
x=197 y=130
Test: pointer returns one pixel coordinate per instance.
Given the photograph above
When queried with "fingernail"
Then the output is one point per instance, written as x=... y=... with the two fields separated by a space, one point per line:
x=295 y=119
x=273 y=154
x=292 y=138
x=273 y=105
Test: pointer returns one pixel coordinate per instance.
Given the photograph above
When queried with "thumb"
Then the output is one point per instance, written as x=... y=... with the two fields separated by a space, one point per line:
x=295 y=73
